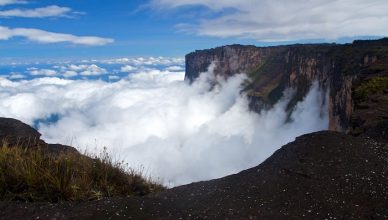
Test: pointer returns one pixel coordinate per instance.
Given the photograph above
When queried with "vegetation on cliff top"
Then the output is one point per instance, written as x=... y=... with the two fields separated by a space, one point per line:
x=36 y=175
x=373 y=86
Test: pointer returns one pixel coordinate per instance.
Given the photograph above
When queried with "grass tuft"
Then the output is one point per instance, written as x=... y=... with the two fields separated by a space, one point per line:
x=28 y=174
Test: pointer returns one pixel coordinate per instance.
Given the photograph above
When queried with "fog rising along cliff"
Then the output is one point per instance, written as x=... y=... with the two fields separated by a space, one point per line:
x=272 y=69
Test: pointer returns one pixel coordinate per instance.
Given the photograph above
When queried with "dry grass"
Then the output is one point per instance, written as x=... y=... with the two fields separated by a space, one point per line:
x=36 y=175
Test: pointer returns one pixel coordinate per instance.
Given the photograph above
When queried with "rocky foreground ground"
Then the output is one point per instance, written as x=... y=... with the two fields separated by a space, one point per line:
x=323 y=175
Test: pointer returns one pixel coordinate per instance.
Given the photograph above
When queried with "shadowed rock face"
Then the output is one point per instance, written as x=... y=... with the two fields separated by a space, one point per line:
x=272 y=69
x=18 y=134
x=15 y=132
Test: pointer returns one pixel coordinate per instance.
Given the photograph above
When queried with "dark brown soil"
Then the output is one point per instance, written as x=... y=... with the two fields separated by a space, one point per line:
x=324 y=175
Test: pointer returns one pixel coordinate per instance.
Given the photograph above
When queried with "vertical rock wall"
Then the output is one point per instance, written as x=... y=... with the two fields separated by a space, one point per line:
x=272 y=69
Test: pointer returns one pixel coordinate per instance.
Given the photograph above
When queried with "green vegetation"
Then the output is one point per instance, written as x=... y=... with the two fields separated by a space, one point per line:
x=373 y=86
x=28 y=174
x=257 y=72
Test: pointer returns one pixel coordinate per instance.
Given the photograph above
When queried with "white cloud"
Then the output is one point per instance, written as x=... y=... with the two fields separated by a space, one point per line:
x=93 y=70
x=16 y=75
x=75 y=67
x=117 y=61
x=11 y=2
x=175 y=130
x=127 y=68
x=72 y=70
x=42 y=36
x=42 y=72
x=113 y=77
x=175 y=68
x=142 y=61
x=49 y=11
x=268 y=20
x=69 y=73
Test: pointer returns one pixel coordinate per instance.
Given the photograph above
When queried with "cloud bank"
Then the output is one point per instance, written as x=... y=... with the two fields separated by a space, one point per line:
x=284 y=20
x=46 y=37
x=152 y=118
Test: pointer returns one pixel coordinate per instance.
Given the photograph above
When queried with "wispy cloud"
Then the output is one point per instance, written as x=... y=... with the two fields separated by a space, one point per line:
x=44 y=12
x=42 y=36
x=267 y=20
x=10 y=2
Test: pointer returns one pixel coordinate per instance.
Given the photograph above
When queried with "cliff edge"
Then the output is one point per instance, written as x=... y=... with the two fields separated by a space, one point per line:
x=338 y=68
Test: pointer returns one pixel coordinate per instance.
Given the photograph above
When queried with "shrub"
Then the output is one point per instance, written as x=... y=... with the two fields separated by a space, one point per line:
x=35 y=175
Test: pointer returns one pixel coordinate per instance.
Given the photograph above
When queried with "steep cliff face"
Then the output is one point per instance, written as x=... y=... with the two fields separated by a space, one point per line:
x=229 y=60
x=272 y=69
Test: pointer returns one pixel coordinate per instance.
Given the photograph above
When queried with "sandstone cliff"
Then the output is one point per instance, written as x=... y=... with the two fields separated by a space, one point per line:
x=272 y=69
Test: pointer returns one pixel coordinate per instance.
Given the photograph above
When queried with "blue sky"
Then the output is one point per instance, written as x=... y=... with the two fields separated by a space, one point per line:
x=175 y=28
x=137 y=30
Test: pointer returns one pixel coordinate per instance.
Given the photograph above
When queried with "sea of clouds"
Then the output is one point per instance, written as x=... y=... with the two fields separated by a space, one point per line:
x=144 y=112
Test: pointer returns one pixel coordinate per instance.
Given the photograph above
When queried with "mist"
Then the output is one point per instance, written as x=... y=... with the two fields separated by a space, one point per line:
x=154 y=120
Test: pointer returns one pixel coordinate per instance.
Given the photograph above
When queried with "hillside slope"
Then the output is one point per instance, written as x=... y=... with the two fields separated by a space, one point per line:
x=320 y=175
